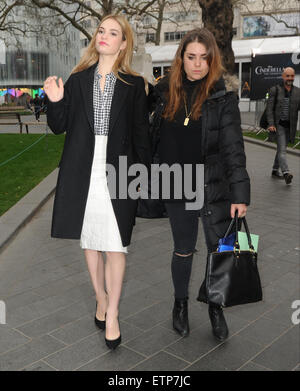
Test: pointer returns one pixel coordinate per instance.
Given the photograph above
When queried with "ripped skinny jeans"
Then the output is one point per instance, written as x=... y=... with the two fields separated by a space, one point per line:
x=184 y=224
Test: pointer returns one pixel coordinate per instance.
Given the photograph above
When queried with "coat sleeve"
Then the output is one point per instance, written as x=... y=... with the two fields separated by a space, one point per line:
x=231 y=146
x=270 y=106
x=57 y=112
x=141 y=138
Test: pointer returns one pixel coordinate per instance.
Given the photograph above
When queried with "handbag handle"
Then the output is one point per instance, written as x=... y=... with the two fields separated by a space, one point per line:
x=235 y=221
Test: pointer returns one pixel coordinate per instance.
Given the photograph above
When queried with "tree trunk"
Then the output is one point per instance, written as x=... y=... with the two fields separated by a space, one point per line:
x=217 y=16
x=159 y=23
x=107 y=6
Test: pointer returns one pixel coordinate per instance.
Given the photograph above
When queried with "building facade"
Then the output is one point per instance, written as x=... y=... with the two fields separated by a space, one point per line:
x=23 y=68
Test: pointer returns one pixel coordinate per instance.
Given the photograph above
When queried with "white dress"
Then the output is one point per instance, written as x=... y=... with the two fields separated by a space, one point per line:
x=100 y=230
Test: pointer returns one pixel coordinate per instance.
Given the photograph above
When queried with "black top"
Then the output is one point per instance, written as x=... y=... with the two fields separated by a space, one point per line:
x=178 y=143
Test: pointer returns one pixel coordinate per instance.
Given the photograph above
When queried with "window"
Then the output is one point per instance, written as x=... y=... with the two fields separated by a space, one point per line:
x=237 y=69
x=20 y=65
x=150 y=37
x=166 y=70
x=148 y=20
x=84 y=42
x=174 y=36
x=39 y=66
x=156 y=72
x=245 y=85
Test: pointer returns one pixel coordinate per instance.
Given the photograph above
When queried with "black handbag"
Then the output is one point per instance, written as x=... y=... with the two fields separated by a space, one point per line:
x=232 y=277
x=147 y=207
x=263 y=123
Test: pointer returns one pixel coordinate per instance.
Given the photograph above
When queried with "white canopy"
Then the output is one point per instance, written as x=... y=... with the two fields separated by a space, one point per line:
x=242 y=48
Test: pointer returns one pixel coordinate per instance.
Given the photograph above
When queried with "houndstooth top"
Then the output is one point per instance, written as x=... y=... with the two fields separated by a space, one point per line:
x=102 y=102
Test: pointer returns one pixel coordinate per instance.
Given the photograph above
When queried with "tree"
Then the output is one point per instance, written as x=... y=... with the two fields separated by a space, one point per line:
x=158 y=13
x=55 y=15
x=217 y=16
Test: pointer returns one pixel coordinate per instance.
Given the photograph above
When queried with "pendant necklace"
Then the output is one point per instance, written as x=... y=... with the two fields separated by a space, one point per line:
x=187 y=116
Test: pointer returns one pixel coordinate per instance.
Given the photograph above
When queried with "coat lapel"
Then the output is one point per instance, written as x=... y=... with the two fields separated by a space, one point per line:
x=119 y=99
x=87 y=84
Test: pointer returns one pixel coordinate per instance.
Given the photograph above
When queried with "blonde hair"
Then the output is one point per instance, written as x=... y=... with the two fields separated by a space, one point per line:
x=123 y=62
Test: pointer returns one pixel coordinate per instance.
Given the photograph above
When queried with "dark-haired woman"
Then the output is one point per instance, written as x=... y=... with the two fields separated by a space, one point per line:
x=199 y=123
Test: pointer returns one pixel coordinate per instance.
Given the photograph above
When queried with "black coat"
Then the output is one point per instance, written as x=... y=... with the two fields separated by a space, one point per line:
x=128 y=136
x=274 y=106
x=225 y=175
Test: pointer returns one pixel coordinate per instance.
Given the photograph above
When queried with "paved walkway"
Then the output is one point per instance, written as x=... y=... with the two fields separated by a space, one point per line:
x=50 y=303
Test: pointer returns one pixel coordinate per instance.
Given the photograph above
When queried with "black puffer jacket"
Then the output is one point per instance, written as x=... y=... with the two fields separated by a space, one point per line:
x=226 y=179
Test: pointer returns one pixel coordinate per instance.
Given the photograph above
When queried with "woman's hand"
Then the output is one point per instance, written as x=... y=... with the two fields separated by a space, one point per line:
x=55 y=93
x=241 y=208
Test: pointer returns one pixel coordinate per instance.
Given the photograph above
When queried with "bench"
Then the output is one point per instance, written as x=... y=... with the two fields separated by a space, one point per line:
x=12 y=108
x=14 y=116
x=5 y=115
x=33 y=123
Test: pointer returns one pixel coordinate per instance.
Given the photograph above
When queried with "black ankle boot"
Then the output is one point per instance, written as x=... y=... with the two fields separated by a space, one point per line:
x=218 y=322
x=180 y=317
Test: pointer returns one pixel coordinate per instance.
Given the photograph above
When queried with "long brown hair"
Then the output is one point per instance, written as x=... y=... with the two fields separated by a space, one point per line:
x=123 y=62
x=204 y=36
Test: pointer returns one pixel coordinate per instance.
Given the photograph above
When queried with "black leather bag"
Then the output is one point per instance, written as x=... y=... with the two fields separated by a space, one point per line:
x=232 y=277
x=263 y=123
x=153 y=208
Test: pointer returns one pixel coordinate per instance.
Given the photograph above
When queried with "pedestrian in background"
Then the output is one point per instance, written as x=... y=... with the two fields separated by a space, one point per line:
x=103 y=109
x=200 y=124
x=37 y=103
x=282 y=116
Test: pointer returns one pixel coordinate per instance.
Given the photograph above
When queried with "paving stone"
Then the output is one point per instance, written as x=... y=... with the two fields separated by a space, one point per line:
x=36 y=310
x=78 y=354
x=199 y=342
x=153 y=340
x=151 y=316
x=161 y=361
x=10 y=339
x=53 y=321
x=263 y=331
x=230 y=355
x=39 y=366
x=120 y=359
x=251 y=366
x=29 y=353
x=283 y=354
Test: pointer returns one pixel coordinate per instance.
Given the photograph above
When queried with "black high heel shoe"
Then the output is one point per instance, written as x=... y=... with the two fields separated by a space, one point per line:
x=113 y=343
x=99 y=323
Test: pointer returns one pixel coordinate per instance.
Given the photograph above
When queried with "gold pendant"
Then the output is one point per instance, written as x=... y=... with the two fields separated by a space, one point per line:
x=186 y=121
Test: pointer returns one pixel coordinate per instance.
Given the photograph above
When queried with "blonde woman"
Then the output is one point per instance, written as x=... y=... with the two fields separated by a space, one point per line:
x=102 y=107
